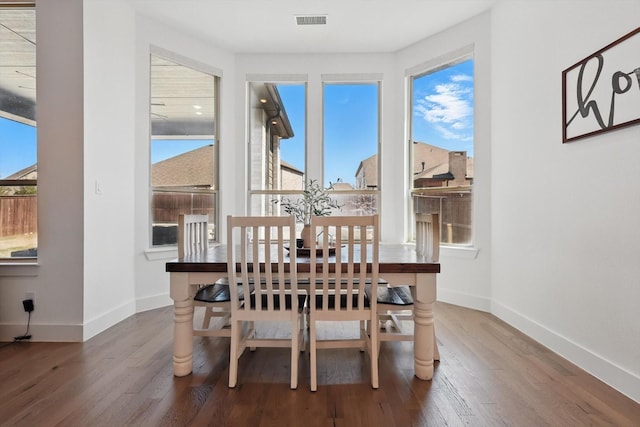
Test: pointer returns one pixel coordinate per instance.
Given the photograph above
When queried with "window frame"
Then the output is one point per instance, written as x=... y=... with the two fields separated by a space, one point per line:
x=314 y=97
x=437 y=64
x=214 y=221
x=268 y=196
x=29 y=6
x=357 y=79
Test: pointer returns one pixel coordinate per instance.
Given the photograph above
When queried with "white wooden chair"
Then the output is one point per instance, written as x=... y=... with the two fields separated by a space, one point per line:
x=395 y=303
x=256 y=257
x=193 y=238
x=340 y=295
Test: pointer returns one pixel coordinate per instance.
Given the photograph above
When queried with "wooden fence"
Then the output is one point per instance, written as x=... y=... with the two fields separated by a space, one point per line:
x=18 y=215
x=455 y=214
x=167 y=205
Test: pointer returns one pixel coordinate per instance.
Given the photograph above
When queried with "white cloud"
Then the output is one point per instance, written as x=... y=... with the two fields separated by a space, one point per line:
x=461 y=78
x=449 y=108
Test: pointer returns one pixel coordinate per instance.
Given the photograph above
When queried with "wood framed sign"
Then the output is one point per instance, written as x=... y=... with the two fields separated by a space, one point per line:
x=602 y=92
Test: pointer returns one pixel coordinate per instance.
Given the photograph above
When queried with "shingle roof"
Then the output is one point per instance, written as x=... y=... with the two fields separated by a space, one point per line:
x=30 y=172
x=192 y=169
x=436 y=161
x=436 y=164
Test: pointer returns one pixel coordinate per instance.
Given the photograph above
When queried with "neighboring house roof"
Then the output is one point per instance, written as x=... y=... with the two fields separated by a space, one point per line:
x=448 y=176
x=289 y=167
x=341 y=186
x=436 y=161
x=193 y=169
x=429 y=159
x=429 y=162
x=30 y=172
x=439 y=169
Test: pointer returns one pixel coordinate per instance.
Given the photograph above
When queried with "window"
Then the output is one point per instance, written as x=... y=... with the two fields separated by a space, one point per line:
x=18 y=145
x=442 y=143
x=351 y=140
x=184 y=147
x=277 y=143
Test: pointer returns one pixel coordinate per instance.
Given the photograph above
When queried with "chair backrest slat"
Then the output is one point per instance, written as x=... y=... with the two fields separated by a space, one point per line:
x=428 y=236
x=356 y=261
x=256 y=257
x=193 y=234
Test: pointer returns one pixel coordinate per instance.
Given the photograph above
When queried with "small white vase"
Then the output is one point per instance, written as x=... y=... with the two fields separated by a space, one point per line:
x=305 y=235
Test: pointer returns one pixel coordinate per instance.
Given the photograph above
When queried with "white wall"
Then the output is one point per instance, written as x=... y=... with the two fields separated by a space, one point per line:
x=465 y=273
x=151 y=280
x=57 y=281
x=565 y=234
x=109 y=280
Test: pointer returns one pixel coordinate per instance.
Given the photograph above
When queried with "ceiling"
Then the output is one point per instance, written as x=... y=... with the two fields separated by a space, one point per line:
x=241 y=26
x=269 y=26
x=18 y=68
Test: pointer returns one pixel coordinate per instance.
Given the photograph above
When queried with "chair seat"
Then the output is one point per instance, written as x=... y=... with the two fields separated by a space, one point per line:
x=381 y=282
x=343 y=300
x=338 y=285
x=217 y=292
x=394 y=295
x=302 y=300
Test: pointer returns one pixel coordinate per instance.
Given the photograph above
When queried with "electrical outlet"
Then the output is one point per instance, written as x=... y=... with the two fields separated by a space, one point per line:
x=28 y=305
x=30 y=295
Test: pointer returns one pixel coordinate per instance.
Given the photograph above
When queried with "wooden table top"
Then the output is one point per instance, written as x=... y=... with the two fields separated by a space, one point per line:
x=393 y=258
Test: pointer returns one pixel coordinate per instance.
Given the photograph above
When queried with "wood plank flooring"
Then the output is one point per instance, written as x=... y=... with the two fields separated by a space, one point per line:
x=490 y=375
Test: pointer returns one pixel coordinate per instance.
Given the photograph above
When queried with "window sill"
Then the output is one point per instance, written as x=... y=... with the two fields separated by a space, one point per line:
x=157 y=254
x=465 y=252
x=24 y=268
x=167 y=252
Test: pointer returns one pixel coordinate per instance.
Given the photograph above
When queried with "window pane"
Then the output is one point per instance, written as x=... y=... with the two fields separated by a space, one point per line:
x=442 y=136
x=184 y=169
x=277 y=139
x=276 y=135
x=351 y=136
x=351 y=123
x=18 y=147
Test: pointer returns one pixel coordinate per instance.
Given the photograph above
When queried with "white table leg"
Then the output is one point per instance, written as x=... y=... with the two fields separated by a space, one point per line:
x=423 y=346
x=183 y=324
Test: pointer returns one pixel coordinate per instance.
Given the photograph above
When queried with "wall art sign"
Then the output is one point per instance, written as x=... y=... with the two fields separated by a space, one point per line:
x=602 y=92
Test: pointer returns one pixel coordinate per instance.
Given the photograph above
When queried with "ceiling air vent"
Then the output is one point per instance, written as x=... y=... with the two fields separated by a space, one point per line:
x=311 y=19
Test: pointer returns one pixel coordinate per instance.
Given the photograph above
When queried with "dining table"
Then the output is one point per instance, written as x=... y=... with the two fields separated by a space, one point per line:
x=399 y=264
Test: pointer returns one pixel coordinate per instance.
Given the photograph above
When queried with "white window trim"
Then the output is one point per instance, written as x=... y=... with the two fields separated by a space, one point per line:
x=432 y=65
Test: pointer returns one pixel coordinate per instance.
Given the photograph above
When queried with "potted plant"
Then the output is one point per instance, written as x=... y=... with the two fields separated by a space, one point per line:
x=314 y=201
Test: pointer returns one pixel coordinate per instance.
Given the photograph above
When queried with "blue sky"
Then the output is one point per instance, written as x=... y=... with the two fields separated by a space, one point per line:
x=442 y=116
x=443 y=108
x=350 y=130
x=17 y=146
x=292 y=150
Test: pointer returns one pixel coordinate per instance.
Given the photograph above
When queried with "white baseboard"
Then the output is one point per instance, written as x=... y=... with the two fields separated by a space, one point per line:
x=42 y=332
x=464 y=300
x=617 y=377
x=69 y=332
x=79 y=333
x=106 y=320
x=153 y=302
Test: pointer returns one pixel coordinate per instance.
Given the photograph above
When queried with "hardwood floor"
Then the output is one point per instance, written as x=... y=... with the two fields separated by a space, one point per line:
x=489 y=375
